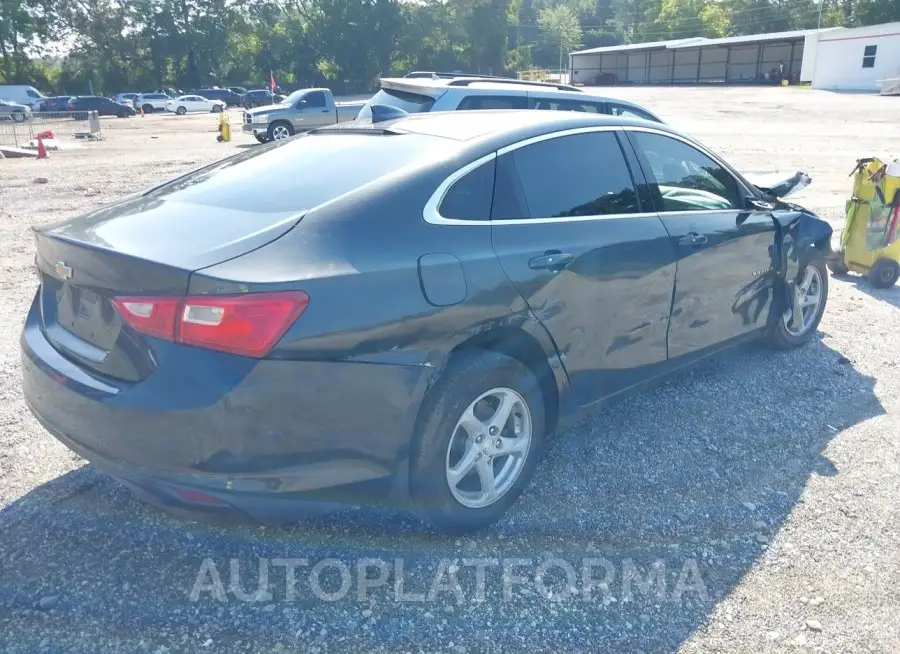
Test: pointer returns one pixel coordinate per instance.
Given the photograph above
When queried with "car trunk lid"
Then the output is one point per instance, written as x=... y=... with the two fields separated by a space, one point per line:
x=138 y=247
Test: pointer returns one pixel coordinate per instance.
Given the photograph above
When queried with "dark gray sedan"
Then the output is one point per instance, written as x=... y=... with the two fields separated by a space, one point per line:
x=405 y=309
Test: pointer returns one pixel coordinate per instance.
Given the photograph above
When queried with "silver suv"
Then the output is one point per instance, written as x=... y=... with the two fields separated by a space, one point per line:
x=450 y=93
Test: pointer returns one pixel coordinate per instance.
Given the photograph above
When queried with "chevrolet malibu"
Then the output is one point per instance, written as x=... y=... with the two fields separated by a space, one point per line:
x=401 y=311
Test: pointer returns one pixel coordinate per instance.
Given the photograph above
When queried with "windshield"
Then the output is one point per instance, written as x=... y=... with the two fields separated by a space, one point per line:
x=411 y=103
x=294 y=97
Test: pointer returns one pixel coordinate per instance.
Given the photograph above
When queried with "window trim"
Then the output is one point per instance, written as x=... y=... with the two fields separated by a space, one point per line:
x=743 y=186
x=432 y=216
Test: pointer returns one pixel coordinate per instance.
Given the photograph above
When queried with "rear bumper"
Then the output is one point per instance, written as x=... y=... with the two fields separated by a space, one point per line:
x=253 y=434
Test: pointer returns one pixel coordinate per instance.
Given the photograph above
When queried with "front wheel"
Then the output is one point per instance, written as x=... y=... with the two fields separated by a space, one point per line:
x=217 y=109
x=279 y=131
x=19 y=116
x=799 y=321
x=148 y=108
x=884 y=273
x=181 y=111
x=478 y=441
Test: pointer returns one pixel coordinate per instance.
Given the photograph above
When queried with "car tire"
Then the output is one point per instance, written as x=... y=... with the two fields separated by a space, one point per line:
x=262 y=138
x=884 y=273
x=475 y=383
x=19 y=116
x=217 y=109
x=181 y=111
x=148 y=108
x=279 y=130
x=785 y=333
x=836 y=264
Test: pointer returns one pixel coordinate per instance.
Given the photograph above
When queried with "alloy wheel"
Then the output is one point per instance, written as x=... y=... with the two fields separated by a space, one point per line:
x=801 y=315
x=488 y=448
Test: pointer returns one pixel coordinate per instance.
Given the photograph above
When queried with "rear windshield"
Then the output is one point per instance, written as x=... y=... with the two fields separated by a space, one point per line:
x=299 y=173
x=411 y=103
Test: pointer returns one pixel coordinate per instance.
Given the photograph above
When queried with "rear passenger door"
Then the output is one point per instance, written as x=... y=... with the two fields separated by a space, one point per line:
x=724 y=283
x=594 y=265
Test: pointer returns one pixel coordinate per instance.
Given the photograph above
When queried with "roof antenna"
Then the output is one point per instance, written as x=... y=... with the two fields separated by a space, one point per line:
x=383 y=112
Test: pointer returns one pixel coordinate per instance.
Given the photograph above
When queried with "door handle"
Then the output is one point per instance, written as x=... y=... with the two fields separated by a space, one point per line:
x=693 y=240
x=324 y=111
x=551 y=260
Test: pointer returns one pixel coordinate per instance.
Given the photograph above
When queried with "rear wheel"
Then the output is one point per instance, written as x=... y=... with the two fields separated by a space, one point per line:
x=478 y=442
x=884 y=273
x=181 y=111
x=148 y=108
x=800 y=320
x=19 y=116
x=279 y=131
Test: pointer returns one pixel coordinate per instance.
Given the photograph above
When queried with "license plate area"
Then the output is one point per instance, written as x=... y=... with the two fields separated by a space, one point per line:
x=81 y=312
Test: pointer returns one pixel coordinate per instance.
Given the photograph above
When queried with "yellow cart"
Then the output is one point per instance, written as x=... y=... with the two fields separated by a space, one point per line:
x=870 y=242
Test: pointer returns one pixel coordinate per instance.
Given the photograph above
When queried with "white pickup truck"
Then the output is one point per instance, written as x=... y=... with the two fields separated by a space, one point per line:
x=301 y=111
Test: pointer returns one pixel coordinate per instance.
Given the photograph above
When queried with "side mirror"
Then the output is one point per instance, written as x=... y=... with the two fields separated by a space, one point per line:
x=756 y=204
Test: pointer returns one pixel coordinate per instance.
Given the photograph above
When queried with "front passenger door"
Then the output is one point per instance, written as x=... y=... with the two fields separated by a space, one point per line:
x=724 y=281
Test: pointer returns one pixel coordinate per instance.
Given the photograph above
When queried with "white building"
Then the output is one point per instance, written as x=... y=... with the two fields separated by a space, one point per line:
x=832 y=58
x=854 y=59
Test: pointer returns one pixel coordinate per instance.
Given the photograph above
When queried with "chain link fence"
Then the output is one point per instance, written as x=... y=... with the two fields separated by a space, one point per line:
x=73 y=124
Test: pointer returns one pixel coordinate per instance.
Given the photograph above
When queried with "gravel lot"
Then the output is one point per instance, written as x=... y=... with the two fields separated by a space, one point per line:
x=750 y=505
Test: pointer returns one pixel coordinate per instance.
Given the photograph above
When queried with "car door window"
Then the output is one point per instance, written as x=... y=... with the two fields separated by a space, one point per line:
x=550 y=104
x=492 y=102
x=314 y=100
x=686 y=178
x=469 y=198
x=569 y=176
x=629 y=112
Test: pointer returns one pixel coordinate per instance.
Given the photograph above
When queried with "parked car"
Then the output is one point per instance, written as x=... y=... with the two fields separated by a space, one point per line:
x=449 y=93
x=13 y=111
x=151 y=102
x=401 y=309
x=260 y=98
x=194 y=103
x=57 y=104
x=227 y=96
x=239 y=90
x=103 y=106
x=125 y=98
x=301 y=111
x=22 y=94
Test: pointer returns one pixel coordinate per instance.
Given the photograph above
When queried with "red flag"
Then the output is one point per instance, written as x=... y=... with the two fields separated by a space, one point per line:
x=272 y=84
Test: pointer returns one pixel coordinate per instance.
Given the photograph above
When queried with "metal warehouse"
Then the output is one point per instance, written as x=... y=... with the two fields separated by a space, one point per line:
x=756 y=58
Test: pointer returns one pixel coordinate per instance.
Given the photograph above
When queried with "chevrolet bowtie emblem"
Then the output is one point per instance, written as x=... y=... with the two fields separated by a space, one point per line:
x=63 y=270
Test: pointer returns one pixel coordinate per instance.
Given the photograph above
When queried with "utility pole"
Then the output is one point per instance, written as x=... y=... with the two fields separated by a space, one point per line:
x=821 y=5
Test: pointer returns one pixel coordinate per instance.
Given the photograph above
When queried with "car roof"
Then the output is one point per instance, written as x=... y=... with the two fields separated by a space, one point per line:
x=428 y=86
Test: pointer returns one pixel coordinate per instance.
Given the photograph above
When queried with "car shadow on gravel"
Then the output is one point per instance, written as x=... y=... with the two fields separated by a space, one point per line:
x=640 y=520
x=890 y=295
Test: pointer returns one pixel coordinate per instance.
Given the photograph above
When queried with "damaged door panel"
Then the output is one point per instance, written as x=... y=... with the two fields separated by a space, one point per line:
x=569 y=231
x=723 y=244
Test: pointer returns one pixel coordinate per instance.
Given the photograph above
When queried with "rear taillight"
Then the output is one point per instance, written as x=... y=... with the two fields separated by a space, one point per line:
x=248 y=324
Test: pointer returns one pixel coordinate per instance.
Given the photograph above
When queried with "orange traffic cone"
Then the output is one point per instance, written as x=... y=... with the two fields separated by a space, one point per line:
x=42 y=151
